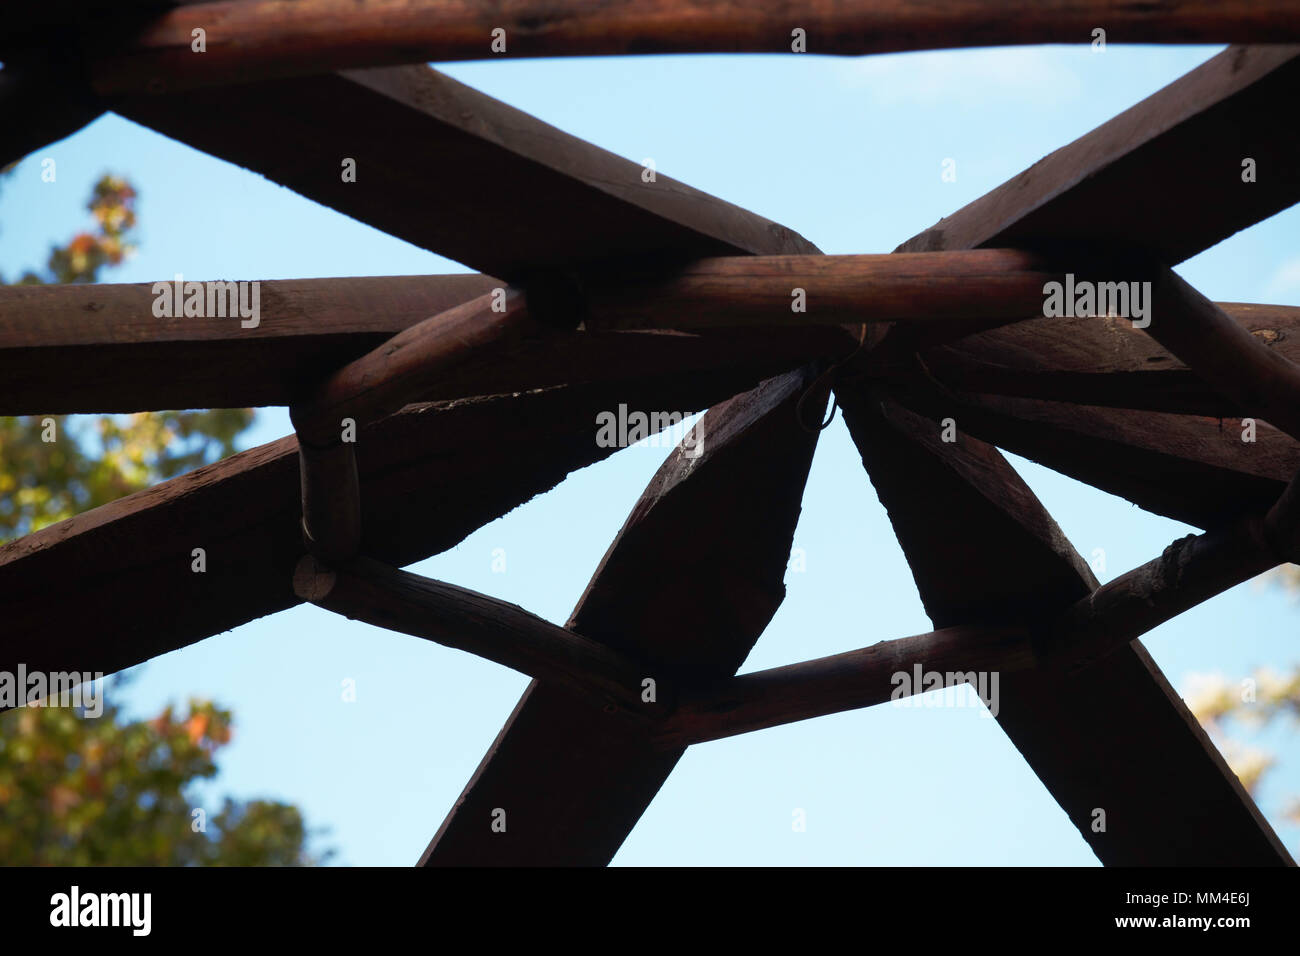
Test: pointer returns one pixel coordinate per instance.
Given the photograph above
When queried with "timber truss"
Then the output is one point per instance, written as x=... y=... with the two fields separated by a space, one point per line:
x=599 y=288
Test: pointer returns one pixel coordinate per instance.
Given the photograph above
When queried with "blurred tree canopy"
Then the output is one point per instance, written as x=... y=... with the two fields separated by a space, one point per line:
x=82 y=791
x=75 y=789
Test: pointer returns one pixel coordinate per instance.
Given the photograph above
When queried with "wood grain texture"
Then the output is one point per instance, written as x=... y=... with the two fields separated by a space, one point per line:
x=259 y=38
x=574 y=783
x=1115 y=737
x=805 y=290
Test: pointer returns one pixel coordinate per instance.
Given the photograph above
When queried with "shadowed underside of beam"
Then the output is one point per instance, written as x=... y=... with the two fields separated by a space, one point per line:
x=1114 y=737
x=572 y=780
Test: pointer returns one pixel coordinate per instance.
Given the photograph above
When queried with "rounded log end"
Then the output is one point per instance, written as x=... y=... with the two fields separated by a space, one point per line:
x=312 y=580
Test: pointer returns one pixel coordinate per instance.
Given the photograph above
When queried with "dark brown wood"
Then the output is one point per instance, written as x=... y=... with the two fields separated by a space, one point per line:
x=1168 y=796
x=1196 y=470
x=572 y=782
x=43 y=98
x=1098 y=191
x=383 y=381
x=761 y=290
x=1193 y=569
x=424 y=142
x=127 y=360
x=431 y=475
x=1260 y=380
x=829 y=685
x=1190 y=571
x=331 y=499
x=373 y=592
x=259 y=38
x=1088 y=361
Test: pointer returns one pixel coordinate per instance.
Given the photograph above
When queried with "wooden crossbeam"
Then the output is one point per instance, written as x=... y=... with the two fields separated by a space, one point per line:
x=432 y=474
x=515 y=197
x=373 y=592
x=1088 y=361
x=1201 y=471
x=1262 y=381
x=128 y=360
x=1191 y=570
x=848 y=681
x=1114 y=738
x=261 y=38
x=1097 y=191
x=572 y=781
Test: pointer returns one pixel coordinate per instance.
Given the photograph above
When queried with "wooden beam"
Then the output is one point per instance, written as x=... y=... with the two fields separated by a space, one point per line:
x=1261 y=381
x=1201 y=471
x=515 y=197
x=1087 y=361
x=829 y=685
x=126 y=359
x=373 y=592
x=572 y=782
x=43 y=98
x=1097 y=191
x=386 y=379
x=1118 y=739
x=1189 y=572
x=431 y=475
x=736 y=291
x=260 y=38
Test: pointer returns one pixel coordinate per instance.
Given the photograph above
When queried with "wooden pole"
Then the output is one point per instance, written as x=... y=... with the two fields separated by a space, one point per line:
x=1003 y=285
x=1260 y=380
x=383 y=381
x=369 y=591
x=1190 y=571
x=255 y=39
x=829 y=685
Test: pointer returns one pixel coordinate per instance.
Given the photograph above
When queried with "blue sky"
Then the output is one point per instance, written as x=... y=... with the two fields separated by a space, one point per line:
x=849 y=153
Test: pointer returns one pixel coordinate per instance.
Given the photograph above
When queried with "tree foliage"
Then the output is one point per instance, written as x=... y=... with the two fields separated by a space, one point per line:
x=85 y=791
